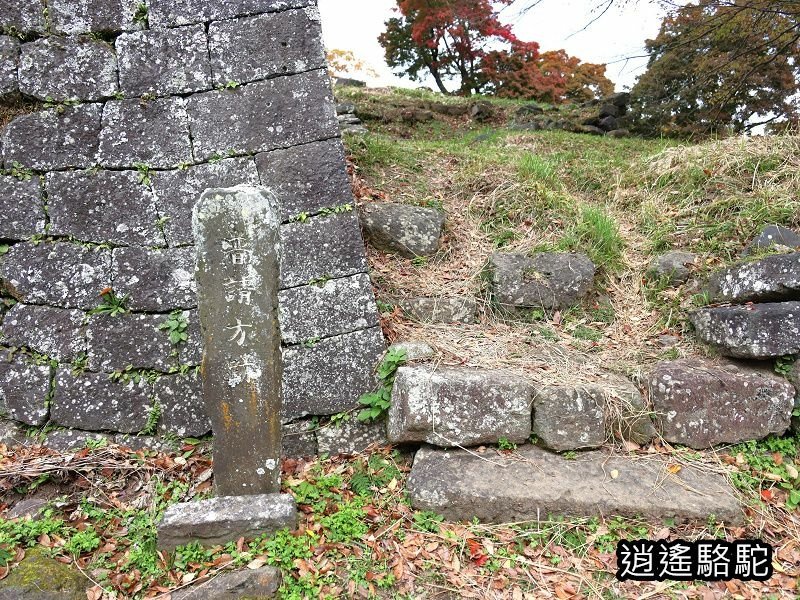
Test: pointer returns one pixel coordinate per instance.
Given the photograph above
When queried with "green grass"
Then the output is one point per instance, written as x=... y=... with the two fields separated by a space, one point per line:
x=597 y=234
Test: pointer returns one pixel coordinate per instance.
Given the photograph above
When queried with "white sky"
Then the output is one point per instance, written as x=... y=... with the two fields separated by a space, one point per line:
x=356 y=24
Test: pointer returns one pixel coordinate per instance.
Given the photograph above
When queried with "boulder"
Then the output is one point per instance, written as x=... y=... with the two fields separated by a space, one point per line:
x=481 y=111
x=458 y=406
x=701 y=404
x=535 y=485
x=440 y=310
x=672 y=267
x=548 y=280
x=774 y=235
x=225 y=519
x=406 y=230
x=771 y=278
x=39 y=577
x=754 y=331
x=621 y=99
x=608 y=124
x=237 y=585
x=345 y=108
x=351 y=436
x=609 y=110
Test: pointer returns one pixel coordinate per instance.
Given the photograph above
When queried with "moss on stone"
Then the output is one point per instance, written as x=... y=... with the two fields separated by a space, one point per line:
x=39 y=577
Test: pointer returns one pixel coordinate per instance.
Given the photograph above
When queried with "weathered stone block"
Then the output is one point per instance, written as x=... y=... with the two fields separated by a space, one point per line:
x=155 y=280
x=93 y=402
x=307 y=178
x=24 y=388
x=414 y=351
x=54 y=139
x=177 y=192
x=183 y=411
x=702 y=404
x=69 y=440
x=299 y=440
x=407 y=230
x=277 y=113
x=252 y=48
x=55 y=332
x=61 y=274
x=11 y=433
x=319 y=311
x=331 y=376
x=753 y=331
x=129 y=340
x=25 y=16
x=440 y=310
x=771 y=278
x=774 y=235
x=9 y=61
x=672 y=267
x=169 y=13
x=21 y=208
x=537 y=485
x=548 y=280
x=174 y=61
x=225 y=519
x=260 y=583
x=567 y=418
x=40 y=577
x=72 y=17
x=154 y=133
x=68 y=68
x=333 y=241
x=451 y=406
x=351 y=437
x=103 y=206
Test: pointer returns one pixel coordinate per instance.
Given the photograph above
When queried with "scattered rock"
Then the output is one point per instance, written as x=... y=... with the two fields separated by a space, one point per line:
x=415 y=351
x=530 y=109
x=668 y=341
x=772 y=236
x=39 y=577
x=771 y=278
x=700 y=404
x=535 y=485
x=407 y=230
x=481 y=111
x=30 y=508
x=351 y=436
x=609 y=110
x=225 y=519
x=608 y=124
x=450 y=406
x=753 y=331
x=237 y=585
x=349 y=82
x=345 y=108
x=440 y=310
x=546 y=280
x=672 y=267
x=619 y=133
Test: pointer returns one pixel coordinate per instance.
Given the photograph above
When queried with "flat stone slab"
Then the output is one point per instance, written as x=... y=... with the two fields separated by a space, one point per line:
x=335 y=243
x=701 y=404
x=452 y=406
x=54 y=332
x=533 y=484
x=54 y=139
x=403 y=229
x=225 y=519
x=9 y=61
x=328 y=309
x=277 y=113
x=24 y=16
x=170 y=13
x=771 y=278
x=24 y=388
x=440 y=310
x=329 y=377
x=307 y=178
x=21 y=208
x=103 y=206
x=94 y=402
x=72 y=17
x=62 y=274
x=153 y=133
x=177 y=191
x=237 y=585
x=162 y=63
x=754 y=331
x=68 y=69
x=549 y=280
x=252 y=48
x=155 y=280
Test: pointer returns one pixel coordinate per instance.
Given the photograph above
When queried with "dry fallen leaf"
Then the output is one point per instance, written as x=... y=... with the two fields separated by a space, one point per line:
x=614 y=474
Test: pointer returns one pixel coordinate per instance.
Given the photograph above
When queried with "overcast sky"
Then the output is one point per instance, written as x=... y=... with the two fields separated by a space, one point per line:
x=356 y=24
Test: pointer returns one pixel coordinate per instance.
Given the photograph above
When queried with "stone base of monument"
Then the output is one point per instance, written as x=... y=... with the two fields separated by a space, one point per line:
x=225 y=519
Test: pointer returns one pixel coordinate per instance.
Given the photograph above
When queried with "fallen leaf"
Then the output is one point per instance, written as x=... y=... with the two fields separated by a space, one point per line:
x=614 y=474
x=766 y=495
x=674 y=469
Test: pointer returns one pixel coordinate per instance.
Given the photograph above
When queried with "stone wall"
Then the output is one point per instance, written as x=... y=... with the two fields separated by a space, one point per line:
x=144 y=106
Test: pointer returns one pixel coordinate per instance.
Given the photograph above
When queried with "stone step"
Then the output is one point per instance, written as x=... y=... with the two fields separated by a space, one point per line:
x=534 y=485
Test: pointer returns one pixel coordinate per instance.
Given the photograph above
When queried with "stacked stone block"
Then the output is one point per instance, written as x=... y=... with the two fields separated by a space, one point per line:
x=146 y=105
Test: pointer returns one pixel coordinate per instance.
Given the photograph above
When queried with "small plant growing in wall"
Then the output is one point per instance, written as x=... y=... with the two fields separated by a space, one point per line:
x=140 y=17
x=377 y=403
x=176 y=326
x=111 y=304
